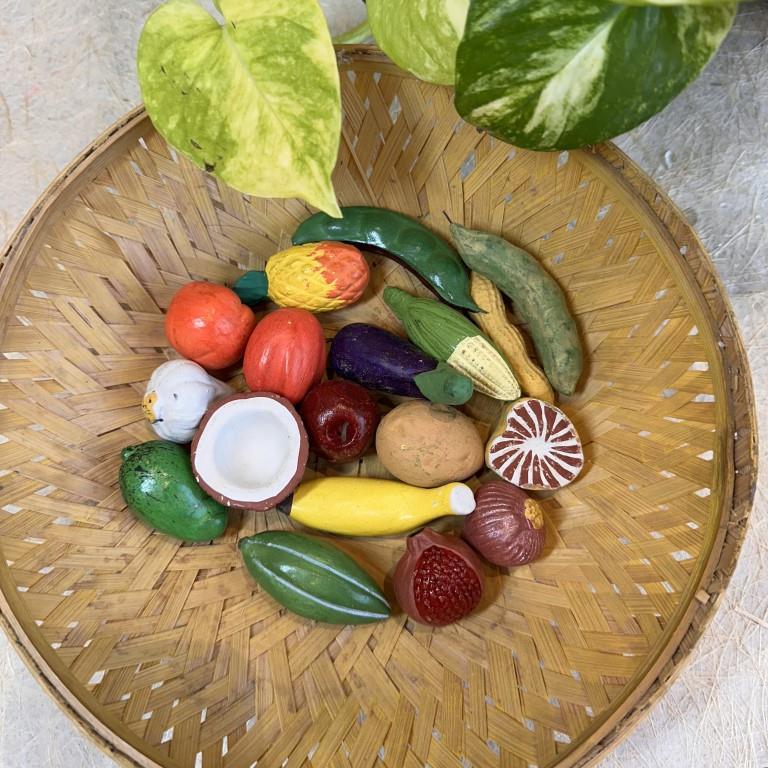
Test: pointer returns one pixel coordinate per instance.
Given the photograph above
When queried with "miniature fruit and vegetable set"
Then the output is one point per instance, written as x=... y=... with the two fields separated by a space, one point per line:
x=408 y=398
x=520 y=73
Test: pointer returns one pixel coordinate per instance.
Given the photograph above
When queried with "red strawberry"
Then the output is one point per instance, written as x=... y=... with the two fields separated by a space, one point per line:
x=439 y=579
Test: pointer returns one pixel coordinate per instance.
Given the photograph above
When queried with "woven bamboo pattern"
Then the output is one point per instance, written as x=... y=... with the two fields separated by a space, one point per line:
x=170 y=655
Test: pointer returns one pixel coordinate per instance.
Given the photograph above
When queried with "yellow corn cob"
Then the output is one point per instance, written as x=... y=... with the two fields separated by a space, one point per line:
x=508 y=339
x=478 y=360
x=447 y=335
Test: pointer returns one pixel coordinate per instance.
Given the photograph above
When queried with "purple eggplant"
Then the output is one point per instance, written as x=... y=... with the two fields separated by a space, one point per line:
x=379 y=360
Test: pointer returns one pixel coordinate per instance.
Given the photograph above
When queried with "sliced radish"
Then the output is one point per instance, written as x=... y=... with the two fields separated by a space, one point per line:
x=536 y=447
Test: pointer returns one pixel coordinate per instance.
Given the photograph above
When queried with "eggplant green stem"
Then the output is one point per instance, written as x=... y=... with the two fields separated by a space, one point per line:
x=358 y=34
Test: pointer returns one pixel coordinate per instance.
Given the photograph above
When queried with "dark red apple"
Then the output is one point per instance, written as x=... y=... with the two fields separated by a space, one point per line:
x=341 y=419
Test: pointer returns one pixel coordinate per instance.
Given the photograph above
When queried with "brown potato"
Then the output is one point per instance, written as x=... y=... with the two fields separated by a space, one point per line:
x=428 y=445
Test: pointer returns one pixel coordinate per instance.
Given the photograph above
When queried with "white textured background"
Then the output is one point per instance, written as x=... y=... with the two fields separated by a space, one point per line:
x=68 y=72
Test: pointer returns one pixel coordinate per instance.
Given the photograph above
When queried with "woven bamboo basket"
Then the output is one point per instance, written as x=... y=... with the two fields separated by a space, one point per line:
x=169 y=655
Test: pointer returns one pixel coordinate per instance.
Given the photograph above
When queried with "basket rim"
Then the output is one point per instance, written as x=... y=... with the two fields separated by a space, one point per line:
x=696 y=609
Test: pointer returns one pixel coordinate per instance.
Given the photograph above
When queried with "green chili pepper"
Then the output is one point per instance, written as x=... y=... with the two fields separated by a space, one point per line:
x=401 y=237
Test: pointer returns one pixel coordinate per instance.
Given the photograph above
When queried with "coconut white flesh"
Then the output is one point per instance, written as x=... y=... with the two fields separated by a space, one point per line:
x=249 y=449
x=462 y=500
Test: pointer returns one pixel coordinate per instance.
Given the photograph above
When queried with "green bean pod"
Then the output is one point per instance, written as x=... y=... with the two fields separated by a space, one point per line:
x=537 y=297
x=401 y=237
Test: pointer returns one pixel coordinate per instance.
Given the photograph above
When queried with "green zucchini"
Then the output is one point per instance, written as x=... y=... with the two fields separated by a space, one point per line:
x=538 y=300
x=313 y=579
x=448 y=336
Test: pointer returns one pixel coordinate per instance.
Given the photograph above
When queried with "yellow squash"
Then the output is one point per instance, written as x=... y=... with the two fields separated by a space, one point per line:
x=358 y=506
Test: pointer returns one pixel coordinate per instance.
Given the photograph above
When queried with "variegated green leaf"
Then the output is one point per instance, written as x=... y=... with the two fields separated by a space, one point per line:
x=420 y=35
x=566 y=73
x=668 y=3
x=255 y=101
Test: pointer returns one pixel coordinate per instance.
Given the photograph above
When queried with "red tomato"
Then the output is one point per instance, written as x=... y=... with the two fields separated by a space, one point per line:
x=209 y=324
x=285 y=354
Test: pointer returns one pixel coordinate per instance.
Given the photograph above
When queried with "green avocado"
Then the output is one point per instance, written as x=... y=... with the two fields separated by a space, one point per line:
x=158 y=485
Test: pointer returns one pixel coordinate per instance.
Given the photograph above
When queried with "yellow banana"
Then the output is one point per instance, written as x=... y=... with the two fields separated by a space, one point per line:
x=358 y=506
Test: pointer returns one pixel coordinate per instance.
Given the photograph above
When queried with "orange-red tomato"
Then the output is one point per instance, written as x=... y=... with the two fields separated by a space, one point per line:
x=209 y=324
x=285 y=354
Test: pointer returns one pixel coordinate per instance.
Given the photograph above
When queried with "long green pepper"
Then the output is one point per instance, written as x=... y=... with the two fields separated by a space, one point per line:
x=401 y=237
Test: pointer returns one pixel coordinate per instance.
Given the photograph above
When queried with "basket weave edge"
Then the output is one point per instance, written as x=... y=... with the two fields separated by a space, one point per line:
x=740 y=391
x=22 y=241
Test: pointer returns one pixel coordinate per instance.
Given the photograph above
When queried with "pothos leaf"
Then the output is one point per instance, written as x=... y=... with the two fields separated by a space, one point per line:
x=668 y=3
x=567 y=73
x=420 y=35
x=255 y=101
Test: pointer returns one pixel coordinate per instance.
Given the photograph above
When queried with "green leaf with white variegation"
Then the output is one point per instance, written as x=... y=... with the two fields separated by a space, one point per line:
x=567 y=73
x=420 y=35
x=669 y=3
x=255 y=101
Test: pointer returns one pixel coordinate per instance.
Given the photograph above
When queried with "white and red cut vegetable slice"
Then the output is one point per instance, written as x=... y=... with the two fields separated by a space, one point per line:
x=536 y=447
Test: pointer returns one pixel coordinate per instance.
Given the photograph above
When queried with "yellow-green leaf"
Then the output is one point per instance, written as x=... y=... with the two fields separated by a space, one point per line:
x=420 y=35
x=255 y=101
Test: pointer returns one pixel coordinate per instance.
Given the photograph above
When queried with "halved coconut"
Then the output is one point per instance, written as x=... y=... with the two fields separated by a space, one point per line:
x=250 y=450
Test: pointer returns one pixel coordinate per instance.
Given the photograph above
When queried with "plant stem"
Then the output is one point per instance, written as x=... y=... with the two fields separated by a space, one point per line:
x=358 y=34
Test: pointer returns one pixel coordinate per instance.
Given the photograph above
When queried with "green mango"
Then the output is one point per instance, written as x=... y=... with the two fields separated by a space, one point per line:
x=158 y=485
x=313 y=579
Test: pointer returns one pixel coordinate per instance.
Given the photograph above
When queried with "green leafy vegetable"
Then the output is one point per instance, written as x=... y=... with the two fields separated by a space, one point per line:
x=420 y=35
x=255 y=101
x=566 y=73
